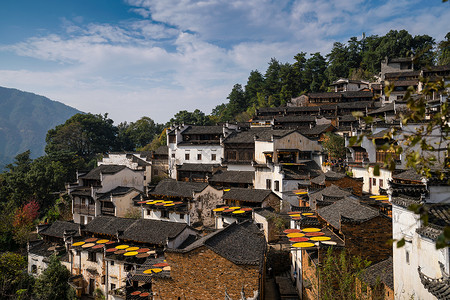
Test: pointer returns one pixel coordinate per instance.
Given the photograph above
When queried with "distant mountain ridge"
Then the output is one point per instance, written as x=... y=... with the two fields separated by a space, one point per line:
x=25 y=119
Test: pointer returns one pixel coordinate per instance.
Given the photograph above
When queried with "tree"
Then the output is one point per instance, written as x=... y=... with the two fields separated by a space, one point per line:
x=338 y=275
x=314 y=73
x=443 y=51
x=196 y=117
x=255 y=84
x=15 y=282
x=83 y=134
x=237 y=101
x=23 y=222
x=138 y=134
x=53 y=284
x=334 y=145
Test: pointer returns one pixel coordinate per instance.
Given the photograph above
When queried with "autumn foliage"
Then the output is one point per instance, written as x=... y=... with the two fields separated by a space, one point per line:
x=27 y=214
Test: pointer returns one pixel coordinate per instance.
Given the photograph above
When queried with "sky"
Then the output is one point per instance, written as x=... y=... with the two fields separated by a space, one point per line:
x=135 y=58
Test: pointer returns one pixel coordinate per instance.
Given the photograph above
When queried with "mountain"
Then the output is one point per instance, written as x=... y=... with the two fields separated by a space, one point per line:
x=25 y=119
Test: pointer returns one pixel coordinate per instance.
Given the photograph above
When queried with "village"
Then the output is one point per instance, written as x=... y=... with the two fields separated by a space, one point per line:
x=251 y=210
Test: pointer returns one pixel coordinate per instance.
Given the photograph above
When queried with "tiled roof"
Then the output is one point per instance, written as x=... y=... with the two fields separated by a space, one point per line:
x=409 y=174
x=203 y=130
x=380 y=134
x=318 y=129
x=294 y=119
x=249 y=195
x=241 y=244
x=347 y=118
x=243 y=137
x=357 y=94
x=405 y=201
x=140 y=230
x=349 y=209
x=401 y=74
x=302 y=108
x=118 y=191
x=325 y=95
x=308 y=169
x=170 y=187
x=162 y=150
x=103 y=169
x=329 y=175
x=380 y=272
x=197 y=167
x=233 y=177
x=438 y=287
x=405 y=82
x=57 y=228
x=266 y=135
x=331 y=191
x=356 y=104
x=389 y=107
x=270 y=109
x=45 y=249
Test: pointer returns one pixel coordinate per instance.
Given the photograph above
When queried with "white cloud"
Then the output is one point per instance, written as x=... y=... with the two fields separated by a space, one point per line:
x=188 y=54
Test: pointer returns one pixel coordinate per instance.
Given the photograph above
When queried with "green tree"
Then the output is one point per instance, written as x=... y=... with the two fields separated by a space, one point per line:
x=338 y=275
x=255 y=85
x=334 y=145
x=15 y=283
x=236 y=100
x=196 y=117
x=338 y=65
x=443 y=51
x=53 y=284
x=138 y=134
x=83 y=134
x=314 y=73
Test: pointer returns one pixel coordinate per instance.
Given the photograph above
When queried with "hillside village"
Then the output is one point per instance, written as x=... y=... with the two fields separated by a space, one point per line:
x=250 y=210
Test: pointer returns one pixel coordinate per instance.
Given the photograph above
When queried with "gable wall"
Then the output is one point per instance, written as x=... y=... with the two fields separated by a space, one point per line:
x=203 y=274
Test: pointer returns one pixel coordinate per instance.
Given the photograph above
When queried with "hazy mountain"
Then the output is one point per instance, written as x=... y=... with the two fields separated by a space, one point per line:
x=25 y=119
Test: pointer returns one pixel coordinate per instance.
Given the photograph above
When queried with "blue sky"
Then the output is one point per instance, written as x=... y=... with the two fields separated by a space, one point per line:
x=134 y=58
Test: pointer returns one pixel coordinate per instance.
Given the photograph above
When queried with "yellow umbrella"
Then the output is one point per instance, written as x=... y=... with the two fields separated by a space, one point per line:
x=303 y=245
x=219 y=209
x=238 y=211
x=78 y=244
x=154 y=270
x=310 y=229
x=131 y=253
x=320 y=238
x=295 y=215
x=295 y=234
x=122 y=247
x=132 y=248
x=102 y=241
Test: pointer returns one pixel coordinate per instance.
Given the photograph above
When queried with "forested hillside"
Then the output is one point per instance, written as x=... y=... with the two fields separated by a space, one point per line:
x=25 y=119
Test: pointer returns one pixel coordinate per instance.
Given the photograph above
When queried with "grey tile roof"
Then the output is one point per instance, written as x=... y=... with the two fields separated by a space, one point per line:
x=328 y=176
x=140 y=230
x=203 y=130
x=266 y=135
x=233 y=177
x=330 y=192
x=357 y=94
x=57 y=228
x=249 y=195
x=241 y=244
x=170 y=187
x=355 y=104
x=118 y=191
x=347 y=118
x=243 y=137
x=294 y=119
x=410 y=175
x=302 y=108
x=162 y=150
x=386 y=108
x=349 y=209
x=380 y=272
x=305 y=170
x=405 y=201
x=318 y=129
x=103 y=169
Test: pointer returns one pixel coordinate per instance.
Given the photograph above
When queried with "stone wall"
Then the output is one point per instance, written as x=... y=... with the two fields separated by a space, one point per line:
x=203 y=274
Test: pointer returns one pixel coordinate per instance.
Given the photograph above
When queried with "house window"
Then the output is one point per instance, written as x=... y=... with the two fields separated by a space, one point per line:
x=164 y=214
x=148 y=212
x=381 y=182
x=155 y=172
x=112 y=263
x=374 y=181
x=186 y=156
x=82 y=220
x=89 y=219
x=407 y=257
x=173 y=155
x=199 y=156
x=213 y=157
x=277 y=185
x=113 y=286
x=34 y=269
x=92 y=256
x=182 y=216
x=268 y=184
